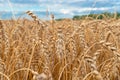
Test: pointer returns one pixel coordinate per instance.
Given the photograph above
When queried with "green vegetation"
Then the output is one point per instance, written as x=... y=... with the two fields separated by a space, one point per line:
x=98 y=16
x=59 y=19
x=95 y=16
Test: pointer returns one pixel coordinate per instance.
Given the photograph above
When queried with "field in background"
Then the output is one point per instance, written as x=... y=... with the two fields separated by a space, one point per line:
x=85 y=49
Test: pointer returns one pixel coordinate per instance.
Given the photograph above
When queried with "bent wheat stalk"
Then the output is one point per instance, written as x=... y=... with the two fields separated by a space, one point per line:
x=36 y=18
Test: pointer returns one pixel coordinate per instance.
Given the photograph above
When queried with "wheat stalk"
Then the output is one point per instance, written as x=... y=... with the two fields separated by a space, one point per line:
x=36 y=18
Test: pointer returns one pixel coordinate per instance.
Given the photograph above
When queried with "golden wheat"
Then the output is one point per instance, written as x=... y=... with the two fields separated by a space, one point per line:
x=60 y=50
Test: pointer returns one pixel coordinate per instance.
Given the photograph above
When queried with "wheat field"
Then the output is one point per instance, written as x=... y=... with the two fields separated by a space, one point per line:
x=85 y=49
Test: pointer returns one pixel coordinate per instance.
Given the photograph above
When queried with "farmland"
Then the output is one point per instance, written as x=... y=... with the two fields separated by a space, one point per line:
x=86 y=49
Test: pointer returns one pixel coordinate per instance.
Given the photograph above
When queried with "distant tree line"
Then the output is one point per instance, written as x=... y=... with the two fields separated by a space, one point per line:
x=98 y=16
x=95 y=16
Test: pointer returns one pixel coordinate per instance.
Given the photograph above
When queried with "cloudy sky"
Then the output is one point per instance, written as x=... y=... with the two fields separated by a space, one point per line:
x=60 y=8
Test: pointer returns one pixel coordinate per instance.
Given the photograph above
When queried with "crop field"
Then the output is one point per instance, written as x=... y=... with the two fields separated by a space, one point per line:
x=33 y=49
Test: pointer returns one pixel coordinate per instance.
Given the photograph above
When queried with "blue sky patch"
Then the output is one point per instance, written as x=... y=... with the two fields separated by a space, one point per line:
x=61 y=8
